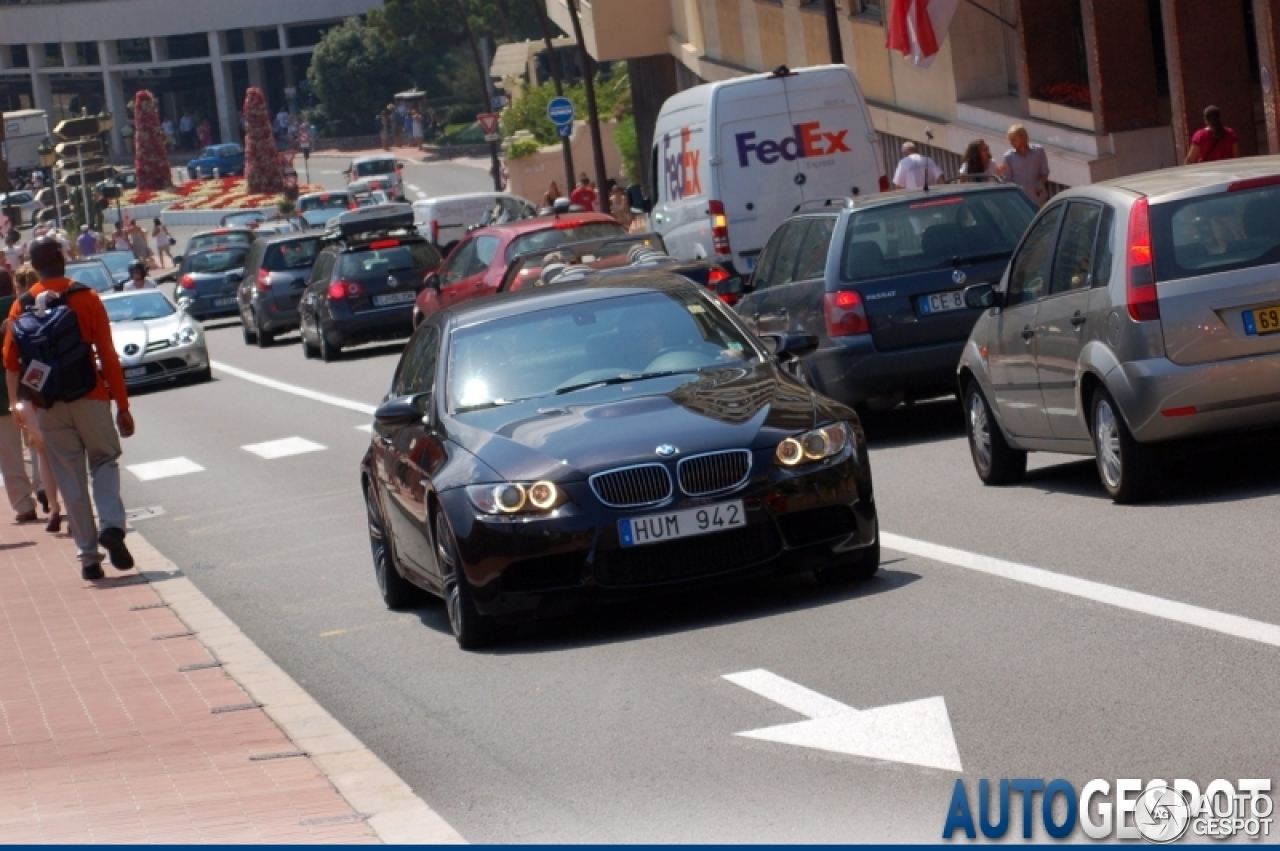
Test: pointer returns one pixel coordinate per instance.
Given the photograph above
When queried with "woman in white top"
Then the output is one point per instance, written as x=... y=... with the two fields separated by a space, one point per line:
x=138 y=279
x=163 y=239
x=977 y=160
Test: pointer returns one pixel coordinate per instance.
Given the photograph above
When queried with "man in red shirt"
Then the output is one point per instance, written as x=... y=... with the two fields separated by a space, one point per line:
x=584 y=195
x=80 y=434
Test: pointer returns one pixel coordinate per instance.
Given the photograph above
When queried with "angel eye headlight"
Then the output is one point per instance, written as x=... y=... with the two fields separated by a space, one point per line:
x=543 y=495
x=508 y=498
x=816 y=445
x=790 y=452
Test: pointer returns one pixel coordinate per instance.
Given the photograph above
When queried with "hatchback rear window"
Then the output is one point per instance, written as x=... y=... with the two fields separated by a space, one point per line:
x=375 y=167
x=295 y=254
x=934 y=233
x=384 y=261
x=219 y=260
x=1217 y=233
x=336 y=201
x=553 y=236
x=210 y=240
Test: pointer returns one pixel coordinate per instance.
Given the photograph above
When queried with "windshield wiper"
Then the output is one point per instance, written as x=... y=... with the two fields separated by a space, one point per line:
x=621 y=379
x=979 y=258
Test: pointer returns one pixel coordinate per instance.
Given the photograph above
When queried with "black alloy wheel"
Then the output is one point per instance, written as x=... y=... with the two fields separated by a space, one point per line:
x=471 y=629
x=396 y=591
x=265 y=338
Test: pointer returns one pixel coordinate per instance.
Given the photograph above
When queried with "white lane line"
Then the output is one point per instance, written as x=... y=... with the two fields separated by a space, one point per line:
x=367 y=428
x=414 y=188
x=1134 y=601
x=165 y=469
x=313 y=395
x=283 y=448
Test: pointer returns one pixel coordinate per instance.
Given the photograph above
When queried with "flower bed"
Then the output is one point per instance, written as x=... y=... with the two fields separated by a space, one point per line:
x=225 y=193
x=146 y=197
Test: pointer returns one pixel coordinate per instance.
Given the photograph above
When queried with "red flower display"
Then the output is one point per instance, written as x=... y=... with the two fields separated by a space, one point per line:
x=261 y=163
x=151 y=157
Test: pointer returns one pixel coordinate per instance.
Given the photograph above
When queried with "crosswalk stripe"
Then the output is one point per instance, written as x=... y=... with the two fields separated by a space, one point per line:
x=168 y=468
x=283 y=448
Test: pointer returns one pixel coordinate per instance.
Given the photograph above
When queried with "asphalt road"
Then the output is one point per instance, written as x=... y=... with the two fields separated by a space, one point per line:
x=618 y=724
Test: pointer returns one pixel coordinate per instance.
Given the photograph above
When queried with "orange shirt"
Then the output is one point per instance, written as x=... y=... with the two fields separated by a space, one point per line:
x=96 y=329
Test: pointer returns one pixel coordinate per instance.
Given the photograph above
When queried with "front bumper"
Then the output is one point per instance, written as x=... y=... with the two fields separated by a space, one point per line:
x=795 y=522
x=851 y=370
x=166 y=365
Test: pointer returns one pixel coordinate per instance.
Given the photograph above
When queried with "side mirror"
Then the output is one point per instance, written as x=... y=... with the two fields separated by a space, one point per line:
x=790 y=345
x=432 y=280
x=402 y=410
x=983 y=297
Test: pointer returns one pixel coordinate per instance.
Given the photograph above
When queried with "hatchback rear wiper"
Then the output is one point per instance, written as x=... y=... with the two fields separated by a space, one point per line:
x=978 y=258
x=620 y=379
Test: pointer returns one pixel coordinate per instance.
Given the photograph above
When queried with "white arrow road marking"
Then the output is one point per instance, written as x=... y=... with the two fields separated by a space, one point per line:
x=917 y=732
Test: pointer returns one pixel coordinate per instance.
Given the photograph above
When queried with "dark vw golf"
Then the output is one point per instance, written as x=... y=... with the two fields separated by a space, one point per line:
x=598 y=439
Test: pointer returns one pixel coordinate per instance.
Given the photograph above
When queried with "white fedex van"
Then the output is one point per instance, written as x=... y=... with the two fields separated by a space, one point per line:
x=732 y=160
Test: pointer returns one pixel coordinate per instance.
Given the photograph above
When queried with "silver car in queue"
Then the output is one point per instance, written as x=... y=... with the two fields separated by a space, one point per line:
x=1134 y=312
x=156 y=340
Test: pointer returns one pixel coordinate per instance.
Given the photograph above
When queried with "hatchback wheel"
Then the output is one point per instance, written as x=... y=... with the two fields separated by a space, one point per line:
x=328 y=353
x=1130 y=471
x=996 y=461
x=470 y=628
x=265 y=338
x=396 y=592
x=247 y=329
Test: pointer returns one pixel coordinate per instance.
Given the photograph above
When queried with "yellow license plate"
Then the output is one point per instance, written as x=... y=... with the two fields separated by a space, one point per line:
x=1262 y=320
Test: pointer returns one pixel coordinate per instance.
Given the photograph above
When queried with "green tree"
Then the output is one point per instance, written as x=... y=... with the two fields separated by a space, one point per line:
x=354 y=74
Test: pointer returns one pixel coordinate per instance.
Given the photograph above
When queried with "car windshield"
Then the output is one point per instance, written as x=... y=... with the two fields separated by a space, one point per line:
x=559 y=234
x=526 y=270
x=203 y=241
x=324 y=202
x=93 y=275
x=218 y=260
x=134 y=308
x=564 y=350
x=295 y=254
x=1216 y=233
x=117 y=261
x=934 y=233
x=374 y=167
x=208 y=154
x=383 y=261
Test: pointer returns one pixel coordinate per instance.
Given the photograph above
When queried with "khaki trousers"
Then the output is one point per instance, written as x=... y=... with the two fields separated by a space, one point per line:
x=13 y=466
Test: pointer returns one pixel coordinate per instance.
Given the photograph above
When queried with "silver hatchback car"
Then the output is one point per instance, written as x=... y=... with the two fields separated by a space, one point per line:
x=1135 y=311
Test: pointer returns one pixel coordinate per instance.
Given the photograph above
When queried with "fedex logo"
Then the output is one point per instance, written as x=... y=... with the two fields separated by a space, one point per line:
x=680 y=167
x=809 y=141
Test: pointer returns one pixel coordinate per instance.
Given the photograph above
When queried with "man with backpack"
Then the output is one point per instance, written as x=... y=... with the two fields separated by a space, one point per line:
x=58 y=333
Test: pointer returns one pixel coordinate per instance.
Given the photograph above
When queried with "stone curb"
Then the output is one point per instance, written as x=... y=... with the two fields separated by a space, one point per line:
x=395 y=814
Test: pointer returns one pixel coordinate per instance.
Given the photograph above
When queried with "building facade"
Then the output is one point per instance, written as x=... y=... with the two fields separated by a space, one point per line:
x=1108 y=87
x=197 y=57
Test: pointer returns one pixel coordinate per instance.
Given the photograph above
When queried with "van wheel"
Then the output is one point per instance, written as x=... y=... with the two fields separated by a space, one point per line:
x=996 y=462
x=1129 y=470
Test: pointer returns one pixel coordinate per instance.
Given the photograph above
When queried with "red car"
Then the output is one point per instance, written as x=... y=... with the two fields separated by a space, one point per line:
x=476 y=265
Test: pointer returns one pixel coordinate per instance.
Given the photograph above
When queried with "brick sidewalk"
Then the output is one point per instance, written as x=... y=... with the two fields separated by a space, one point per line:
x=103 y=739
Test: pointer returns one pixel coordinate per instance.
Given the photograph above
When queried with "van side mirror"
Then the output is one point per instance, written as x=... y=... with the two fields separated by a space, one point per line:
x=983 y=297
x=432 y=280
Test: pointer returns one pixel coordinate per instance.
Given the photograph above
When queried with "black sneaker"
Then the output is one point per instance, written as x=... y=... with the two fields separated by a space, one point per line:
x=113 y=541
x=91 y=571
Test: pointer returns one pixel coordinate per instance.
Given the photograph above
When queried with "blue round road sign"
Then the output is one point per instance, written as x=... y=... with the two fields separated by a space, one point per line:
x=560 y=110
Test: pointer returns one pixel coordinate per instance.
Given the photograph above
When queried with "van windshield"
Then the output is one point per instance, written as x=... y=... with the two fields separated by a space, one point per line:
x=925 y=233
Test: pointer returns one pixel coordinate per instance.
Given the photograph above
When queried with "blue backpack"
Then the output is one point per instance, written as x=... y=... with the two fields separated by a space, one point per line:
x=57 y=363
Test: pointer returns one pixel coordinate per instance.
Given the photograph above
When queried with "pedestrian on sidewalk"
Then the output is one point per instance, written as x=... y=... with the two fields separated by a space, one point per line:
x=1026 y=165
x=46 y=486
x=13 y=464
x=915 y=170
x=977 y=161
x=1214 y=141
x=164 y=240
x=87 y=242
x=585 y=195
x=138 y=242
x=78 y=431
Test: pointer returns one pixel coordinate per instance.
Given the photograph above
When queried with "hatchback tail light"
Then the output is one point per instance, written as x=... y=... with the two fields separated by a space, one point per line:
x=264 y=281
x=1140 y=280
x=340 y=290
x=187 y=282
x=845 y=313
x=714 y=279
x=719 y=228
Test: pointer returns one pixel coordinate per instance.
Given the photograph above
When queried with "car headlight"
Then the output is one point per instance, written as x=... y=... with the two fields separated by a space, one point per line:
x=509 y=498
x=186 y=335
x=816 y=445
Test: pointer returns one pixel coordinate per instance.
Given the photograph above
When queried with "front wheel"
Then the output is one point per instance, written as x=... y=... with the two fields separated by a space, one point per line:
x=470 y=628
x=1129 y=470
x=397 y=593
x=996 y=462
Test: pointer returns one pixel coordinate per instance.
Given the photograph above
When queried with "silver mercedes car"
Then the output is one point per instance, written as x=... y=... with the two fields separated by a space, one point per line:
x=1134 y=312
x=156 y=340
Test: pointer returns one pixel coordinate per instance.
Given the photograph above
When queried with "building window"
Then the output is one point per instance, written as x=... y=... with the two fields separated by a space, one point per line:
x=307 y=35
x=133 y=49
x=195 y=46
x=871 y=9
x=18 y=56
x=235 y=41
x=86 y=53
x=53 y=55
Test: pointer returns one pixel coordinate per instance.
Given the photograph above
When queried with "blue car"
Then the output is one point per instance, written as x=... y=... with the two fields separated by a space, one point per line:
x=226 y=159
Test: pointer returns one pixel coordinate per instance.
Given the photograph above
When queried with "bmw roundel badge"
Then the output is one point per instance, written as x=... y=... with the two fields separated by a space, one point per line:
x=666 y=450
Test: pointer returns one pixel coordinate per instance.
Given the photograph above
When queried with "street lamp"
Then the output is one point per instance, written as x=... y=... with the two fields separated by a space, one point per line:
x=48 y=158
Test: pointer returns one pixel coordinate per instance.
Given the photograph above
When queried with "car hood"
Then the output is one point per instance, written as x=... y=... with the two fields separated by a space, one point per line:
x=569 y=437
x=132 y=338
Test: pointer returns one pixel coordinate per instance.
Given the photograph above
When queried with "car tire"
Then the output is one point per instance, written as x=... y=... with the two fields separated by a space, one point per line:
x=471 y=629
x=328 y=353
x=996 y=462
x=397 y=592
x=265 y=338
x=1129 y=470
x=864 y=564
x=205 y=375
x=248 y=331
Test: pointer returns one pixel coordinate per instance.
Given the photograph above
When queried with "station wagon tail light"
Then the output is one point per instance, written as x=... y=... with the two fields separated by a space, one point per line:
x=340 y=290
x=187 y=282
x=1140 y=282
x=384 y=243
x=1254 y=183
x=719 y=227
x=264 y=281
x=817 y=445
x=846 y=314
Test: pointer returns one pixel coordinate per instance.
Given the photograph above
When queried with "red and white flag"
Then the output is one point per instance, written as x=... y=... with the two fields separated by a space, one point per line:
x=917 y=28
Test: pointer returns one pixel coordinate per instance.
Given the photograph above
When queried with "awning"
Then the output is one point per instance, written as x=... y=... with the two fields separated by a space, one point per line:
x=512 y=60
